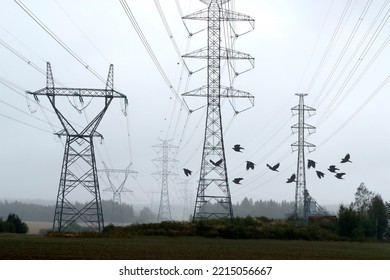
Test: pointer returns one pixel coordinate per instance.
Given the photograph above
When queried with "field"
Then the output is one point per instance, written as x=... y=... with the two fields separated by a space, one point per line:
x=39 y=247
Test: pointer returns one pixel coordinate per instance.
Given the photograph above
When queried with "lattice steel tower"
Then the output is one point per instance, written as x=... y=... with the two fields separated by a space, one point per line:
x=117 y=190
x=304 y=205
x=164 y=212
x=213 y=184
x=79 y=163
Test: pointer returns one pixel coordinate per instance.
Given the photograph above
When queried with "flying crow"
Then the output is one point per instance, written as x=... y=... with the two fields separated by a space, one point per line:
x=339 y=175
x=333 y=168
x=274 y=168
x=250 y=165
x=311 y=163
x=291 y=179
x=346 y=158
x=237 y=180
x=218 y=163
x=187 y=172
x=320 y=174
x=238 y=148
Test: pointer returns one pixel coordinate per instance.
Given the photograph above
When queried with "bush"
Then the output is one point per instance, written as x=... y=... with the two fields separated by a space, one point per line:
x=13 y=224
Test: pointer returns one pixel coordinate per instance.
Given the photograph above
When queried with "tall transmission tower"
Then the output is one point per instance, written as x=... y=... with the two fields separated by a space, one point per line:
x=117 y=190
x=213 y=186
x=79 y=170
x=165 y=148
x=304 y=205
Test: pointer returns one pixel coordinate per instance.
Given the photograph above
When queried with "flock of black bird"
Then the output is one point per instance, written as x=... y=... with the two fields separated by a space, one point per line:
x=332 y=168
x=310 y=164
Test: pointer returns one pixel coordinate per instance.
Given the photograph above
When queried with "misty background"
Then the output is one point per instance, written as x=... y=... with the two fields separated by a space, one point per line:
x=335 y=51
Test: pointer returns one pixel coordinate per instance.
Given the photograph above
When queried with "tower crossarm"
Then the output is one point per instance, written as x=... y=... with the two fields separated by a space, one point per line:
x=225 y=53
x=78 y=92
x=304 y=144
x=303 y=126
x=306 y=108
x=226 y=92
x=226 y=15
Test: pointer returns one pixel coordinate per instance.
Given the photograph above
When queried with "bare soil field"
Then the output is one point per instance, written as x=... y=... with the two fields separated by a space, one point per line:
x=39 y=247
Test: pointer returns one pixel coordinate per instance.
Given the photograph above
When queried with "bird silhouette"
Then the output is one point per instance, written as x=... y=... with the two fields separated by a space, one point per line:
x=333 y=168
x=187 y=172
x=218 y=163
x=346 y=158
x=339 y=175
x=291 y=179
x=237 y=180
x=250 y=165
x=238 y=148
x=311 y=163
x=274 y=168
x=320 y=174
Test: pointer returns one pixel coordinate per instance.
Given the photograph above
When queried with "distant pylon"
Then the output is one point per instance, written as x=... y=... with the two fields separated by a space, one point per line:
x=117 y=191
x=79 y=163
x=213 y=186
x=304 y=205
x=164 y=212
x=186 y=197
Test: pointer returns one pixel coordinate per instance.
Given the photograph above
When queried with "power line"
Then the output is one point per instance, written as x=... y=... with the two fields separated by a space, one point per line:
x=148 y=48
x=328 y=48
x=345 y=48
x=57 y=39
x=27 y=124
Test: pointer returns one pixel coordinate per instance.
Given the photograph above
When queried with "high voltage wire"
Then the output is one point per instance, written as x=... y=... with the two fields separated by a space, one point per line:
x=148 y=48
x=365 y=103
x=27 y=124
x=331 y=108
x=41 y=24
x=355 y=52
x=260 y=175
x=18 y=54
x=13 y=86
x=81 y=31
x=57 y=39
x=185 y=126
x=168 y=29
x=345 y=48
x=316 y=44
x=328 y=48
x=184 y=68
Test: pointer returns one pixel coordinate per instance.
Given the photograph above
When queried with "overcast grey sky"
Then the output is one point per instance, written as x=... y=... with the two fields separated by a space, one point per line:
x=300 y=46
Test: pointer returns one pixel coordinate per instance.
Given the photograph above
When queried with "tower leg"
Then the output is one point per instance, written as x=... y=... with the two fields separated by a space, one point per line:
x=78 y=181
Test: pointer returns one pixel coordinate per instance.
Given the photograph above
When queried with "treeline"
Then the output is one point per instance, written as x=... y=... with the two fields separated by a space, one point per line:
x=262 y=208
x=113 y=213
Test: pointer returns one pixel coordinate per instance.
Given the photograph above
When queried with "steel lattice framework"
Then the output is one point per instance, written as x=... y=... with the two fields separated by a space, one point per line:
x=304 y=205
x=79 y=163
x=117 y=191
x=164 y=212
x=213 y=184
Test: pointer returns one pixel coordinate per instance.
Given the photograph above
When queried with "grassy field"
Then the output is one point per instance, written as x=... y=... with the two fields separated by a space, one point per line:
x=38 y=247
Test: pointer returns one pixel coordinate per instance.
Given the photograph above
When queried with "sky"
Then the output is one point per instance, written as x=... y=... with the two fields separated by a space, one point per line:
x=334 y=51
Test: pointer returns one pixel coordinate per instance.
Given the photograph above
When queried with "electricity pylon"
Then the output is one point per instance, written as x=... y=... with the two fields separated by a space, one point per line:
x=184 y=190
x=79 y=163
x=164 y=212
x=213 y=184
x=117 y=191
x=304 y=205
